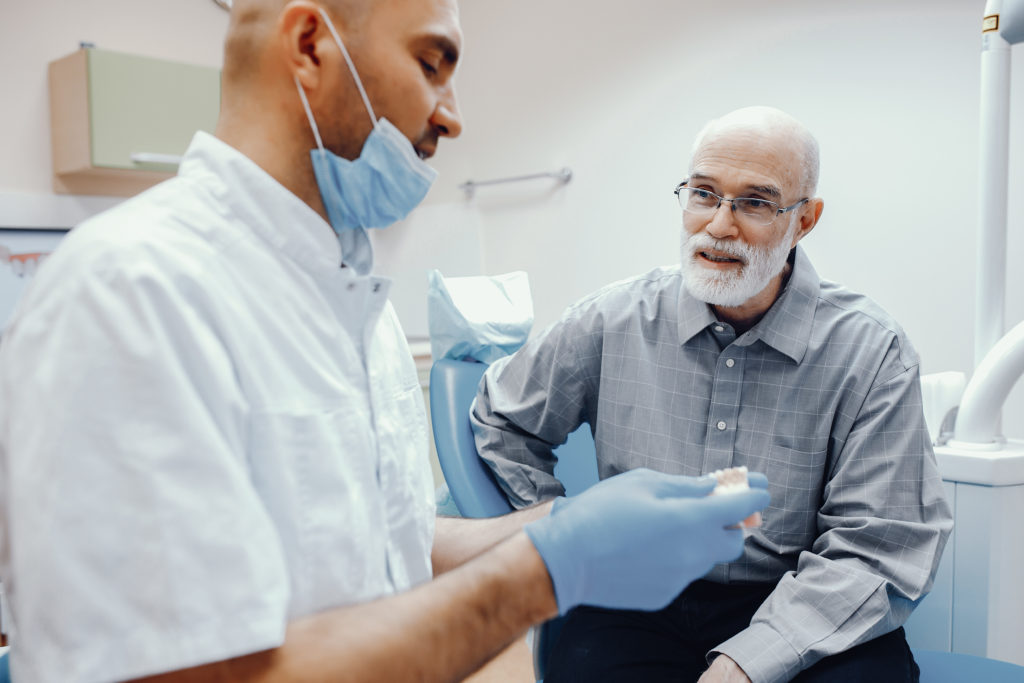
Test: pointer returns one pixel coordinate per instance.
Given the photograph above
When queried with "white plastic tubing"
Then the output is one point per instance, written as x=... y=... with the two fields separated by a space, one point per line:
x=978 y=418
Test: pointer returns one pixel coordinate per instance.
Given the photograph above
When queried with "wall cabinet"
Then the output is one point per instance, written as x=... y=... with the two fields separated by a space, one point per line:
x=120 y=122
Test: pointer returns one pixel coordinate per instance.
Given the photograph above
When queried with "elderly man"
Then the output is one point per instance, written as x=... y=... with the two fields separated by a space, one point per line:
x=741 y=356
x=213 y=457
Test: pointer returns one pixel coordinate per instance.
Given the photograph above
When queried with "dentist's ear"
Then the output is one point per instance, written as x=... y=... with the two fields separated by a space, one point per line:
x=304 y=38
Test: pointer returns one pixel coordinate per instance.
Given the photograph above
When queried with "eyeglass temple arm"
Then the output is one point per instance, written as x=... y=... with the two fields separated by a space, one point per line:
x=793 y=206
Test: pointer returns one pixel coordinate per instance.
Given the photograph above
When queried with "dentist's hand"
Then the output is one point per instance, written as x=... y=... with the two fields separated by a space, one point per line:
x=636 y=540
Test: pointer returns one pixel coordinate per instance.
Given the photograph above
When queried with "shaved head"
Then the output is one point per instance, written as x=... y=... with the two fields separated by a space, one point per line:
x=303 y=74
x=774 y=124
x=252 y=25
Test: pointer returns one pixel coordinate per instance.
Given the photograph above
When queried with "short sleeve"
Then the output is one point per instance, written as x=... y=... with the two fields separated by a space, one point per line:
x=134 y=542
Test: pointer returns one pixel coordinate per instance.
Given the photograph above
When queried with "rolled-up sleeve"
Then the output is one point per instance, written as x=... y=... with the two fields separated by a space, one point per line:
x=882 y=526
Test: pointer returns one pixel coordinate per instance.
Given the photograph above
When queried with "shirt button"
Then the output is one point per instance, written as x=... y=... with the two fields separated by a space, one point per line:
x=721 y=425
x=729 y=363
x=719 y=328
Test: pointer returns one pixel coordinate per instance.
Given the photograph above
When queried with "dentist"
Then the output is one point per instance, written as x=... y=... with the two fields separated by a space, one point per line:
x=213 y=448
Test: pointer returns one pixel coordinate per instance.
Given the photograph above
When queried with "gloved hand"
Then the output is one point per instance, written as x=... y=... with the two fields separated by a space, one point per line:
x=636 y=540
x=756 y=480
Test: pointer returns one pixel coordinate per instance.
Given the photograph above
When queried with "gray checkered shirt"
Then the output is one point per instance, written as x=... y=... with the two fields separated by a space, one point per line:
x=822 y=395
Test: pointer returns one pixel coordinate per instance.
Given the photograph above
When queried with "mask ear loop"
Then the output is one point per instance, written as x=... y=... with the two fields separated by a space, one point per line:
x=351 y=66
x=309 y=114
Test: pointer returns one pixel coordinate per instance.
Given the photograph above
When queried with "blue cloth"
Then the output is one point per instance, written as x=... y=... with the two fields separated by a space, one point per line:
x=478 y=318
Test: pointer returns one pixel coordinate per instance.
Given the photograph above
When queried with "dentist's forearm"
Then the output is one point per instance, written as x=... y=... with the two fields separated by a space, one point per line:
x=458 y=540
x=440 y=631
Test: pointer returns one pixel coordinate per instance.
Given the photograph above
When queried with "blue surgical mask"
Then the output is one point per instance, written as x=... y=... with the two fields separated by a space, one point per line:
x=380 y=187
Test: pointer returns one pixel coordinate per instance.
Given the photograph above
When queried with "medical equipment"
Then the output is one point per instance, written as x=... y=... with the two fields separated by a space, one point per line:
x=977 y=604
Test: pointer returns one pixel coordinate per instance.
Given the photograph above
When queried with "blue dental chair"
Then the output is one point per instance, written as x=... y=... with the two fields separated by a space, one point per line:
x=453 y=385
x=950 y=667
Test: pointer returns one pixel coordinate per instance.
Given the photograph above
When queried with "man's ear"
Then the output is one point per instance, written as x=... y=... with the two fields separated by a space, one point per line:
x=810 y=213
x=303 y=39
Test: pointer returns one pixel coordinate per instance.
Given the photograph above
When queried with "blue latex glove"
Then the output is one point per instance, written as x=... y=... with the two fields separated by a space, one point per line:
x=756 y=480
x=636 y=540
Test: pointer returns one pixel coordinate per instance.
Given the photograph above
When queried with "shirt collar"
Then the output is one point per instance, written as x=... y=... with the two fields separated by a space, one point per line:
x=786 y=326
x=251 y=196
x=694 y=314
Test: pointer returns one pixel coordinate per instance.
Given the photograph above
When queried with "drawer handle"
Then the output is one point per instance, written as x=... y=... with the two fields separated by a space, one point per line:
x=156 y=158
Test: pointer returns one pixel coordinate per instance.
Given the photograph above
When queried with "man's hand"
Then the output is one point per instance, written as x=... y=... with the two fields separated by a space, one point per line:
x=724 y=670
x=636 y=540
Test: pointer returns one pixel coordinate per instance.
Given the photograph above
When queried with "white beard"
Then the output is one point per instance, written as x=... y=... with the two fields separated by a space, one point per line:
x=730 y=289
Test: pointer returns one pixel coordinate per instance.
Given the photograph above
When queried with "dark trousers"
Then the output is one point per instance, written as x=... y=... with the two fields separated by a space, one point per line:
x=619 y=646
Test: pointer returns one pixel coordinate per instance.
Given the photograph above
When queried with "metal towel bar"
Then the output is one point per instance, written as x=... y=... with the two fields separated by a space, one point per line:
x=562 y=175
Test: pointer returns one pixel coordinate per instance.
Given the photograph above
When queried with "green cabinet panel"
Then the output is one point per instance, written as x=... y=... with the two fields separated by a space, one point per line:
x=141 y=105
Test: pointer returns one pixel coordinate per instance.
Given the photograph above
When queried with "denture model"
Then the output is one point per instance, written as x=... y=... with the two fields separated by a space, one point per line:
x=732 y=480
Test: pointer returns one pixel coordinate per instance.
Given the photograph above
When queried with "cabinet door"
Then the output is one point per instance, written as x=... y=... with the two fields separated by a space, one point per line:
x=142 y=106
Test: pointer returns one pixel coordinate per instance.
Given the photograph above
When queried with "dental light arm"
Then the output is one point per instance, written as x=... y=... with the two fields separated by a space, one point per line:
x=979 y=417
x=977 y=421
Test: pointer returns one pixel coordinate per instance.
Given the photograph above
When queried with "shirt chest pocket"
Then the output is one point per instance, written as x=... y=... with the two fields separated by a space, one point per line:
x=402 y=430
x=317 y=473
x=795 y=480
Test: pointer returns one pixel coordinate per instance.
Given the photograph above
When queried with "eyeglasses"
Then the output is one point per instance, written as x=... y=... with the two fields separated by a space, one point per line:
x=752 y=211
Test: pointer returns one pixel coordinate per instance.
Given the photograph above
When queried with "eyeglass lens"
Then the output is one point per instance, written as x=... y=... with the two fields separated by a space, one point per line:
x=702 y=202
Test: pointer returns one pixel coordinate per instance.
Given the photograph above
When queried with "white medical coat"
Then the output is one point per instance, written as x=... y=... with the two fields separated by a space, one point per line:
x=208 y=428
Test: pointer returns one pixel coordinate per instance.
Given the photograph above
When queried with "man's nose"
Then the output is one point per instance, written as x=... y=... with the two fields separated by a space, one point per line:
x=723 y=222
x=446 y=117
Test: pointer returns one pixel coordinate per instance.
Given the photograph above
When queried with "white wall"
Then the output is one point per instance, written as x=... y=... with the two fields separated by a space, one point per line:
x=617 y=91
x=32 y=34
